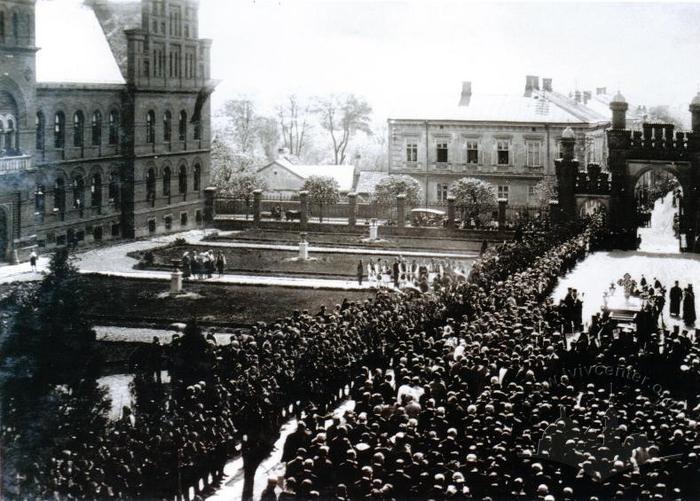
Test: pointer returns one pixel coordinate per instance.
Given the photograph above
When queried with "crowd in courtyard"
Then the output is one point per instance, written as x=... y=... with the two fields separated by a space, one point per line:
x=417 y=274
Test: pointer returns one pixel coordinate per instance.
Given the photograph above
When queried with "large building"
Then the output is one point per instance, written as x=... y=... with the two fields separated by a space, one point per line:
x=510 y=141
x=105 y=123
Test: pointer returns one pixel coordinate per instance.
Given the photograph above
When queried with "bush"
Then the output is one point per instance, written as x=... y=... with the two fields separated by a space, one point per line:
x=178 y=242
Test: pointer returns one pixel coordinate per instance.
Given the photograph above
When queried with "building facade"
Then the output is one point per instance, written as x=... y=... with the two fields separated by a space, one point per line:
x=96 y=160
x=509 y=141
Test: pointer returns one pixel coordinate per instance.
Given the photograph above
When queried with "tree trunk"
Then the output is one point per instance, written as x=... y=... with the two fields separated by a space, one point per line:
x=247 y=208
x=320 y=213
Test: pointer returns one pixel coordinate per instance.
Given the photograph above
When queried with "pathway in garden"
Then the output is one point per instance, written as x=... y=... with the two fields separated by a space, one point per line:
x=113 y=261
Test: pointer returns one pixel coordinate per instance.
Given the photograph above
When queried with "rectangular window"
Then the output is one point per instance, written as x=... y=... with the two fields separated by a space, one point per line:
x=534 y=153
x=531 y=193
x=441 y=152
x=183 y=219
x=411 y=152
x=442 y=191
x=472 y=152
x=503 y=152
x=503 y=192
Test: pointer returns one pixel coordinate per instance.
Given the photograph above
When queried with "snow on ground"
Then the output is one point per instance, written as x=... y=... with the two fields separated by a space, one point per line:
x=658 y=257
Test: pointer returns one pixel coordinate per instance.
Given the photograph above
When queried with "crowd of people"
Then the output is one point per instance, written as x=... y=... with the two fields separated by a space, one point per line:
x=201 y=265
x=453 y=392
x=418 y=274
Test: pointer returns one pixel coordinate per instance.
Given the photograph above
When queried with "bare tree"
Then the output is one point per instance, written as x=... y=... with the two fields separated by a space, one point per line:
x=253 y=138
x=293 y=120
x=342 y=117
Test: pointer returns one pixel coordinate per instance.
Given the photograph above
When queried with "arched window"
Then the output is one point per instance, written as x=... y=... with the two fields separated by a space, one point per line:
x=96 y=190
x=40 y=123
x=182 y=179
x=166 y=181
x=39 y=199
x=151 y=127
x=78 y=127
x=96 y=128
x=113 y=127
x=151 y=185
x=10 y=137
x=59 y=195
x=197 y=178
x=167 y=127
x=182 y=126
x=78 y=192
x=114 y=188
x=59 y=130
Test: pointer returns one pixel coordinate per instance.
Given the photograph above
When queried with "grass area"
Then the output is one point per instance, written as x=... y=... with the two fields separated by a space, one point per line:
x=265 y=262
x=135 y=299
x=342 y=239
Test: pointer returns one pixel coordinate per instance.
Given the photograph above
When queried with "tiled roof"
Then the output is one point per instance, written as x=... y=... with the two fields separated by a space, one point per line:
x=368 y=180
x=344 y=174
x=541 y=107
x=73 y=47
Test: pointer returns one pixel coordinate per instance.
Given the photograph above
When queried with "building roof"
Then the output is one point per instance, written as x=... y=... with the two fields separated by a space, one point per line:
x=368 y=180
x=343 y=174
x=541 y=107
x=73 y=46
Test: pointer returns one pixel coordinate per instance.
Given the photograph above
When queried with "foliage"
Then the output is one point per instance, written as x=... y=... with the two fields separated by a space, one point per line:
x=323 y=190
x=545 y=191
x=342 y=116
x=294 y=121
x=473 y=196
x=386 y=190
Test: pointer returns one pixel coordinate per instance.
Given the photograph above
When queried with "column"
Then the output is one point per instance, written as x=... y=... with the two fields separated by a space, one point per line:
x=502 y=204
x=451 y=211
x=401 y=209
x=257 y=202
x=352 y=217
x=554 y=215
x=304 y=209
x=209 y=205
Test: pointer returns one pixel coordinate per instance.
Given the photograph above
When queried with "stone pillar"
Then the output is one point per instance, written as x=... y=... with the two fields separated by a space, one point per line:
x=502 y=204
x=567 y=171
x=176 y=282
x=619 y=106
x=257 y=203
x=373 y=229
x=451 y=210
x=209 y=205
x=352 y=217
x=303 y=246
x=401 y=209
x=554 y=215
x=304 y=209
x=695 y=113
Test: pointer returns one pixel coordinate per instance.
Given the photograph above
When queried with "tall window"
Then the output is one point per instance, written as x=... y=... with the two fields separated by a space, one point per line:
x=59 y=130
x=96 y=128
x=531 y=193
x=182 y=126
x=78 y=127
x=40 y=123
x=151 y=185
x=59 y=195
x=503 y=191
x=166 y=181
x=96 y=190
x=442 y=191
x=441 y=152
x=15 y=26
x=411 y=152
x=197 y=181
x=472 y=152
x=503 y=156
x=113 y=127
x=534 y=154
x=182 y=179
x=167 y=127
x=2 y=26
x=114 y=187
x=197 y=130
x=151 y=127
x=39 y=199
x=78 y=191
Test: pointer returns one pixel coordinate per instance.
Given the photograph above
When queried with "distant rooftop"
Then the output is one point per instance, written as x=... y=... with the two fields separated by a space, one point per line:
x=343 y=174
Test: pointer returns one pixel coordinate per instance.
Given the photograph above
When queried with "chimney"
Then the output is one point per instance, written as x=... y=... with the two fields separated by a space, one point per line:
x=577 y=96
x=547 y=84
x=601 y=90
x=587 y=95
x=532 y=83
x=466 y=95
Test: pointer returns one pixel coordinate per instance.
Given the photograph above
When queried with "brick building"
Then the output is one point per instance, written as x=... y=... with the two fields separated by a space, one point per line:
x=119 y=152
x=510 y=141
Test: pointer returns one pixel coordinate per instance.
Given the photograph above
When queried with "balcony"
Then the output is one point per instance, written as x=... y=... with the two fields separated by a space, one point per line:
x=10 y=165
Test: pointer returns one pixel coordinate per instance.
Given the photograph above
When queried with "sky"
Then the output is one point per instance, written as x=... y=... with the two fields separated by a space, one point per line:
x=399 y=53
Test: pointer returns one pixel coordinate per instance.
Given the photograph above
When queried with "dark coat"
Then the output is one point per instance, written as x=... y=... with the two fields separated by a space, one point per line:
x=675 y=296
x=689 y=307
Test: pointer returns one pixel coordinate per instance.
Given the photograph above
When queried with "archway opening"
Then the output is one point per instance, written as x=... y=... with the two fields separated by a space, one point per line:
x=659 y=205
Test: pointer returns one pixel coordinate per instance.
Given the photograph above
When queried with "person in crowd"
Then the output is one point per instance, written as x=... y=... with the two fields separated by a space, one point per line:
x=220 y=263
x=689 y=316
x=32 y=260
x=675 y=297
x=360 y=271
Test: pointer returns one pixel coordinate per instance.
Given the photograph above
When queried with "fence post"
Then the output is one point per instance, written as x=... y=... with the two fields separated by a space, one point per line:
x=401 y=209
x=209 y=205
x=502 y=204
x=304 y=208
x=450 y=211
x=352 y=217
x=257 y=202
